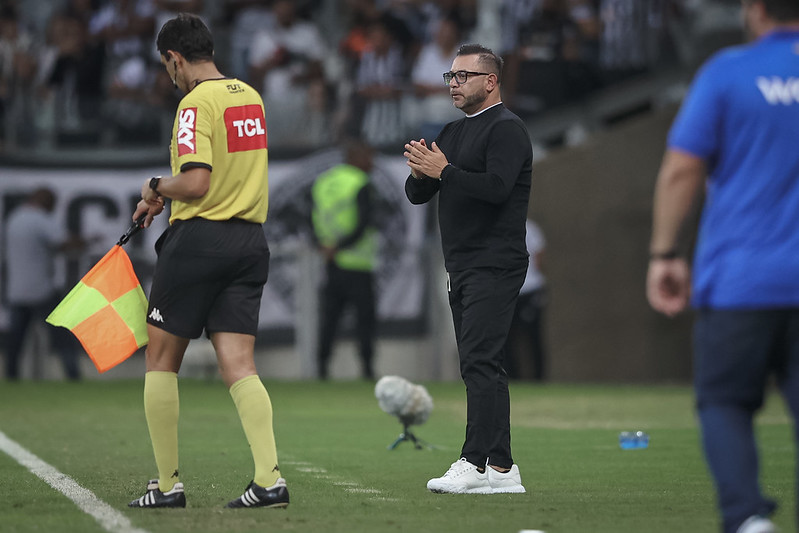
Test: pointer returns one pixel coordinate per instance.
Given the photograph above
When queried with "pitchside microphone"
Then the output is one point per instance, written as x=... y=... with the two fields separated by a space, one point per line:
x=410 y=403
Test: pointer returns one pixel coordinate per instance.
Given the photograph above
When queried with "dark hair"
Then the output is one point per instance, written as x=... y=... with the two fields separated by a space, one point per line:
x=782 y=10
x=187 y=35
x=488 y=58
x=43 y=197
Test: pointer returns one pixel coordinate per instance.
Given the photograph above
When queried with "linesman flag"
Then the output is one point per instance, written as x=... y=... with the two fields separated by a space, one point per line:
x=107 y=309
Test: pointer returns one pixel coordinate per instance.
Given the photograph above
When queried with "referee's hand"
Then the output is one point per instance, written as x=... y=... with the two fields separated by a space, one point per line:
x=151 y=209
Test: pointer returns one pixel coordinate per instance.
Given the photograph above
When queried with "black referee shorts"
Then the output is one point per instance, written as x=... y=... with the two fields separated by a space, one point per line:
x=209 y=275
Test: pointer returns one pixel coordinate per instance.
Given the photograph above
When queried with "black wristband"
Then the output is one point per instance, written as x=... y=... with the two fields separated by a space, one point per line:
x=669 y=254
x=154 y=183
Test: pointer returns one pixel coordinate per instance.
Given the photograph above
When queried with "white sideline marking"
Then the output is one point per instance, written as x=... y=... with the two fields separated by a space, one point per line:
x=349 y=486
x=108 y=517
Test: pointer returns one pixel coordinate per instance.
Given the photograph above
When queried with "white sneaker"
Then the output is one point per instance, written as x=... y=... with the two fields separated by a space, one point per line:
x=505 y=482
x=461 y=478
x=757 y=524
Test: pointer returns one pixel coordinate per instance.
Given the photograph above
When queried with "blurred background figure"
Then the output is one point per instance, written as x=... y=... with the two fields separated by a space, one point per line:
x=286 y=65
x=17 y=76
x=631 y=37
x=525 y=355
x=733 y=145
x=125 y=28
x=71 y=68
x=379 y=86
x=547 y=52
x=435 y=107
x=33 y=239
x=246 y=19
x=344 y=231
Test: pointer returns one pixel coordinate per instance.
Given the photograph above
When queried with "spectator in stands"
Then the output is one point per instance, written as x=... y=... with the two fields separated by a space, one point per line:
x=83 y=10
x=434 y=11
x=403 y=20
x=17 y=76
x=434 y=104
x=69 y=69
x=379 y=86
x=246 y=19
x=361 y=14
x=287 y=66
x=126 y=29
x=583 y=70
x=541 y=42
x=630 y=38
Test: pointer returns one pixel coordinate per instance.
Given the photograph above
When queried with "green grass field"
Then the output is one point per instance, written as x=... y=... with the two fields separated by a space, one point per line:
x=332 y=443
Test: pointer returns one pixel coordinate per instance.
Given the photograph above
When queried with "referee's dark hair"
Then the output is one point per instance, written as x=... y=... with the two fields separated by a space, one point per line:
x=487 y=57
x=187 y=35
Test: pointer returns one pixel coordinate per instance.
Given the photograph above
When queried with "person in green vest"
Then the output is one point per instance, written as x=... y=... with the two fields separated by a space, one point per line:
x=342 y=226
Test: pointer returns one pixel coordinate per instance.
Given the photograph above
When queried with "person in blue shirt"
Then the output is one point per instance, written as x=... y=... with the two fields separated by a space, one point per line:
x=739 y=127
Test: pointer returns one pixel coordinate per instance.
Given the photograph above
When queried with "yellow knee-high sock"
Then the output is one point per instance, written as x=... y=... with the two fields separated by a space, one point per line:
x=161 y=408
x=255 y=411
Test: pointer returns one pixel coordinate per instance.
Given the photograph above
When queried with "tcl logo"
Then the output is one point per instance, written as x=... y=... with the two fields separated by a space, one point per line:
x=246 y=128
x=249 y=127
x=187 y=125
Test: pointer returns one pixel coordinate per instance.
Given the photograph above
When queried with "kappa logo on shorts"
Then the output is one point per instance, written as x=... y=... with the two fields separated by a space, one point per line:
x=155 y=315
x=246 y=128
x=187 y=127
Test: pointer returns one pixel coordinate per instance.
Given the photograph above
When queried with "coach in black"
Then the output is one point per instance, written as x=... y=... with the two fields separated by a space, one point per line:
x=481 y=166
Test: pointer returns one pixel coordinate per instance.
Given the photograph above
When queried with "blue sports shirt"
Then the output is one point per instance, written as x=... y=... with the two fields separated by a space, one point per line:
x=741 y=116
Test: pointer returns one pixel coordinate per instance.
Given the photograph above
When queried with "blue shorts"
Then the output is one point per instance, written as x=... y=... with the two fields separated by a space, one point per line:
x=737 y=350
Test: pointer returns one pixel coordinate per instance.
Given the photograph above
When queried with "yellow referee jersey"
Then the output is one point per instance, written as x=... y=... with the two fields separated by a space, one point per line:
x=220 y=125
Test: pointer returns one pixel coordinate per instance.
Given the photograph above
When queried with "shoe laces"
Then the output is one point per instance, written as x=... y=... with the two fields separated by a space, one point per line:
x=459 y=467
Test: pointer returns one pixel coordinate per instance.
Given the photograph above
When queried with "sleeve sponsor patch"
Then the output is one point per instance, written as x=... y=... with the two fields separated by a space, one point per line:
x=187 y=129
x=246 y=128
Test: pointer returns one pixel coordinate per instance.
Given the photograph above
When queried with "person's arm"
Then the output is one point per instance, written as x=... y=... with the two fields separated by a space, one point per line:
x=507 y=150
x=190 y=184
x=419 y=187
x=679 y=183
x=364 y=201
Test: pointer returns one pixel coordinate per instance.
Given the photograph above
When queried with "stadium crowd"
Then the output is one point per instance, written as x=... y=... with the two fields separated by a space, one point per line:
x=84 y=72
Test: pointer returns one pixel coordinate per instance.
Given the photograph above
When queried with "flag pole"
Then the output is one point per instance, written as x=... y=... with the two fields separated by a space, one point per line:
x=134 y=228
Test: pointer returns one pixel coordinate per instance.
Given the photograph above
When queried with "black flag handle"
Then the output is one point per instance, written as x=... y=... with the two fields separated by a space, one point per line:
x=132 y=230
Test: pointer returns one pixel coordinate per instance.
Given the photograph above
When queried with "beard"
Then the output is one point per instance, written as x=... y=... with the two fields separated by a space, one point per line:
x=472 y=102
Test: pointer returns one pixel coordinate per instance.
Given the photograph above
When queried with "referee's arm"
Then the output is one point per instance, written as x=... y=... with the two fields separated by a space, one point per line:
x=190 y=184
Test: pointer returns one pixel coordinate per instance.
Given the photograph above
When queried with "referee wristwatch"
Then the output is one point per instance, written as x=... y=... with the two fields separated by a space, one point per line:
x=154 y=184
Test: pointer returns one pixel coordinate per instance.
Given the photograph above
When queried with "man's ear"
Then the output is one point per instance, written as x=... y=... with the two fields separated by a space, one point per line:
x=493 y=81
x=174 y=56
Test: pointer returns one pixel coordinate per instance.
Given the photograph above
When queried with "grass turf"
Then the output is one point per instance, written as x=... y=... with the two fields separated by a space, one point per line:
x=332 y=440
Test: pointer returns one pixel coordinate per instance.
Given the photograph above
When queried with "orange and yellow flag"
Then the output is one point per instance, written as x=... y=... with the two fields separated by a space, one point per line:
x=106 y=311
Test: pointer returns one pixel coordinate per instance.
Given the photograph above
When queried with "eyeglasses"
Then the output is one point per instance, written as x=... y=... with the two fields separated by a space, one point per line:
x=461 y=76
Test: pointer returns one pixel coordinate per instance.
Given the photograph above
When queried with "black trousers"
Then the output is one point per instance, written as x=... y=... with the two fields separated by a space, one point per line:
x=482 y=302
x=61 y=340
x=344 y=288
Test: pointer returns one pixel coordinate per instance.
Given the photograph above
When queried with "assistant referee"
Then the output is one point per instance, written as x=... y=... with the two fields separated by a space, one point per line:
x=213 y=260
